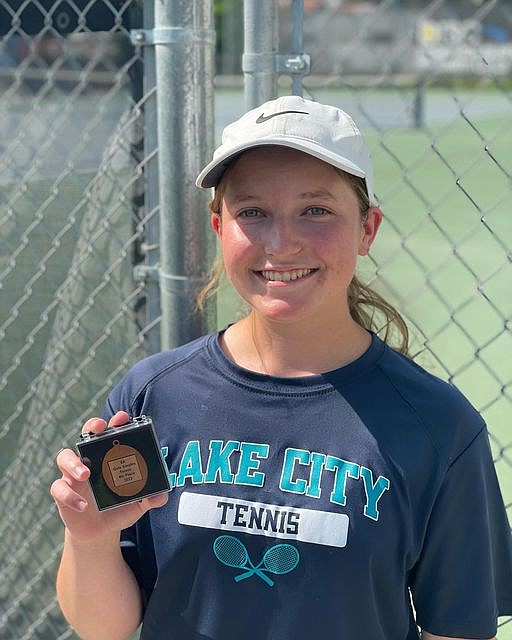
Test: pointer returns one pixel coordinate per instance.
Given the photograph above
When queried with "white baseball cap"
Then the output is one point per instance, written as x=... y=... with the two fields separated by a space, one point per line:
x=320 y=130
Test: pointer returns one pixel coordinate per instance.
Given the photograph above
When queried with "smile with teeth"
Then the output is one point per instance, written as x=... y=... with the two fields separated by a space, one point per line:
x=286 y=276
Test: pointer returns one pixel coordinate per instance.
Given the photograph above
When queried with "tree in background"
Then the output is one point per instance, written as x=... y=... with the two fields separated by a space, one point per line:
x=229 y=25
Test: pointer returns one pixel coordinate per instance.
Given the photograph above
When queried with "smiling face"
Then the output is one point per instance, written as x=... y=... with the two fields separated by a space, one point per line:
x=290 y=231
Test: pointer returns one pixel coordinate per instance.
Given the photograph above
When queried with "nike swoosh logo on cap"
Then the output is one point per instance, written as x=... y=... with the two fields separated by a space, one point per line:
x=264 y=118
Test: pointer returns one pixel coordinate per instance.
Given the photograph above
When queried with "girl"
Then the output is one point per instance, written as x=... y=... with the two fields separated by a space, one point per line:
x=322 y=484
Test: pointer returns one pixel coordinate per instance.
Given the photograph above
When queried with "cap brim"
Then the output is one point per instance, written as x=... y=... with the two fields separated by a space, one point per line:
x=212 y=173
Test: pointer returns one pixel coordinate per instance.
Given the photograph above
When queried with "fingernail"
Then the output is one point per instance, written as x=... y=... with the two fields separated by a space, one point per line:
x=79 y=470
x=82 y=505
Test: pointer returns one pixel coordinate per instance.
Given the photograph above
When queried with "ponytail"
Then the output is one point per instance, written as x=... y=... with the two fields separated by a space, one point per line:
x=372 y=312
x=212 y=286
x=368 y=308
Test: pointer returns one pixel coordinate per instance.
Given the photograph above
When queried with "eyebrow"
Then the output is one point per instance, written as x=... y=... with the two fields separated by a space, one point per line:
x=319 y=193
x=307 y=195
x=244 y=198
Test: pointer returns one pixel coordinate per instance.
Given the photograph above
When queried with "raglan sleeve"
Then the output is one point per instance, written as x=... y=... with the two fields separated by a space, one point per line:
x=120 y=398
x=462 y=580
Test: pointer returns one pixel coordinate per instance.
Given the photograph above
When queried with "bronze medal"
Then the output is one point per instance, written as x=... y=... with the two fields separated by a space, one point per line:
x=124 y=470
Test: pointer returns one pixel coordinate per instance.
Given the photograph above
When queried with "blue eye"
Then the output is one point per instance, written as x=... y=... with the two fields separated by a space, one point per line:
x=317 y=211
x=249 y=213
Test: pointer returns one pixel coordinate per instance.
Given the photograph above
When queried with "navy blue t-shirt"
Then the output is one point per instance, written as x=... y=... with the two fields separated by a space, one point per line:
x=316 y=506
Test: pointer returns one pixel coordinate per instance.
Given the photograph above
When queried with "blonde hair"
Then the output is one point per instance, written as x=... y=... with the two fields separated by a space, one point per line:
x=367 y=307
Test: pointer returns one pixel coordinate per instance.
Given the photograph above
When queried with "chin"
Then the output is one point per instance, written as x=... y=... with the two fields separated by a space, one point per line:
x=281 y=311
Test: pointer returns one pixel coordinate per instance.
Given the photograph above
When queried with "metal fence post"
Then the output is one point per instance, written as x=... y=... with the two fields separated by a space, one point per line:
x=184 y=40
x=151 y=229
x=262 y=63
x=298 y=46
x=259 y=62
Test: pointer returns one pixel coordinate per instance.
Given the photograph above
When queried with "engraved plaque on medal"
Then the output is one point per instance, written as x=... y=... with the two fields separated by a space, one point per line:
x=126 y=463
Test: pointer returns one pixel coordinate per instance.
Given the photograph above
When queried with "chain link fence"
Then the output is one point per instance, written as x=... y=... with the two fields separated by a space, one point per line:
x=72 y=223
x=430 y=83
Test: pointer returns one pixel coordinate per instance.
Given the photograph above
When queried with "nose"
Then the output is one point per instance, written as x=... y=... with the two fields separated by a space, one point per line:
x=282 y=238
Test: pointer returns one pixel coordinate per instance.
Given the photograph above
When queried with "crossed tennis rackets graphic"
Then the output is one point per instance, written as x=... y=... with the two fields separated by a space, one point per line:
x=279 y=559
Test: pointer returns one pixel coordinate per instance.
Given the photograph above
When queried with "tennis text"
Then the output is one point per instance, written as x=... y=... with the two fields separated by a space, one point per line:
x=261 y=519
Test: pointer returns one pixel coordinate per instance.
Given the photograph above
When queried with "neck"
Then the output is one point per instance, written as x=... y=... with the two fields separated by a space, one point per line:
x=291 y=350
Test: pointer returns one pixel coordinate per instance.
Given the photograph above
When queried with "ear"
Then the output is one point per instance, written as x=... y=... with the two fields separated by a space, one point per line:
x=215 y=221
x=369 y=230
